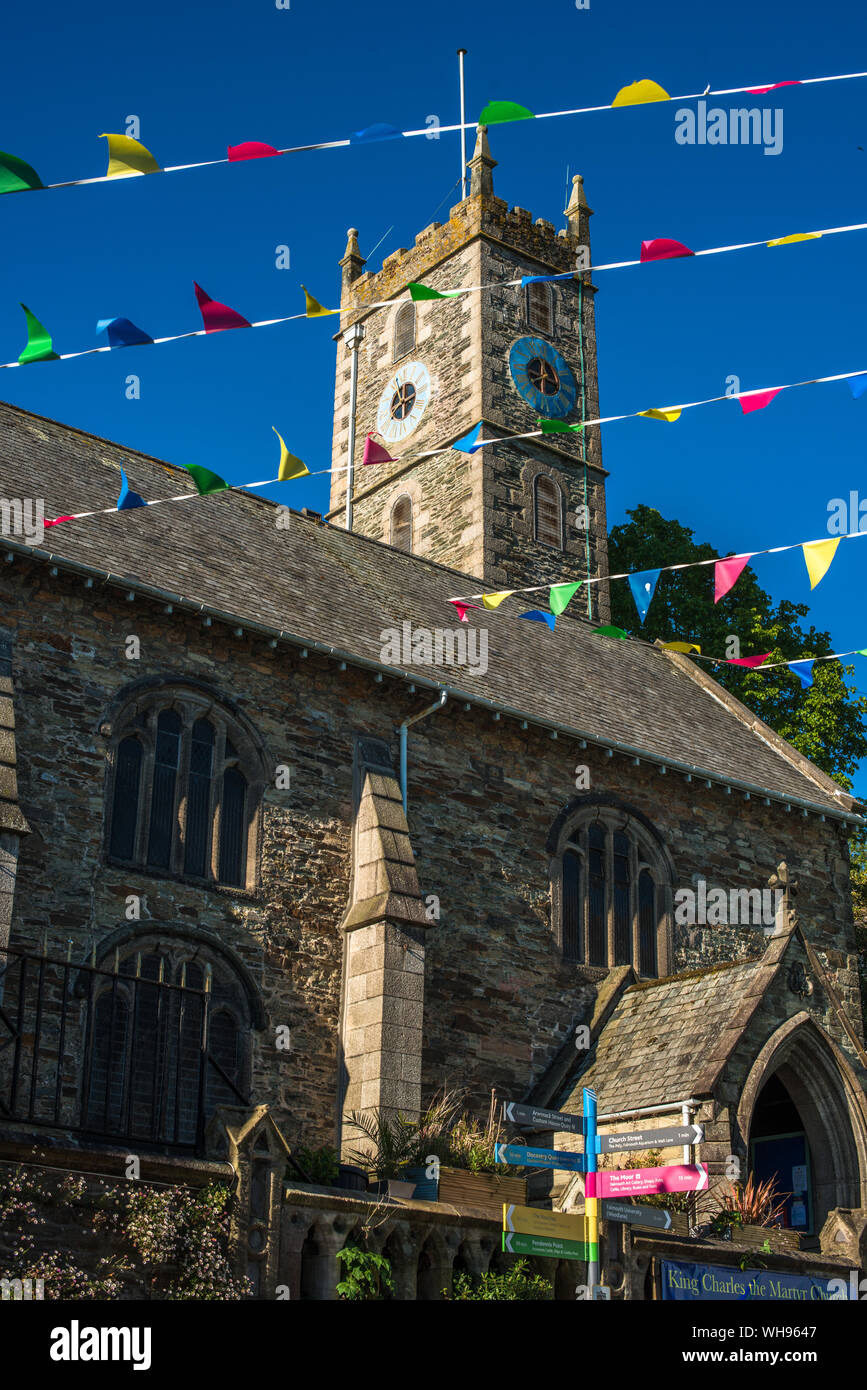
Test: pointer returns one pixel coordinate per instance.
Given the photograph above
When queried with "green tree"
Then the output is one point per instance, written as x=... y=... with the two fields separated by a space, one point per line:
x=825 y=723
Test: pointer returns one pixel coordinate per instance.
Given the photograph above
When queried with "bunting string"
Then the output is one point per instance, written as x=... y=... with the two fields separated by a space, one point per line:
x=128 y=158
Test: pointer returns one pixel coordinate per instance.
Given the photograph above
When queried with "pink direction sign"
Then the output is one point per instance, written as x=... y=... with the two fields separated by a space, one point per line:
x=646 y=1182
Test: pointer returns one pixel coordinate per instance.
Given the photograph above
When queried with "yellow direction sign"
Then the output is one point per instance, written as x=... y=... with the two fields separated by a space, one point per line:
x=533 y=1221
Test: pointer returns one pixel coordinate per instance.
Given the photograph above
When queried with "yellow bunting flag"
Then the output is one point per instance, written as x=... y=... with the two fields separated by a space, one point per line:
x=315 y=310
x=818 y=556
x=669 y=415
x=127 y=157
x=796 y=236
x=639 y=92
x=685 y=647
x=290 y=466
x=494 y=600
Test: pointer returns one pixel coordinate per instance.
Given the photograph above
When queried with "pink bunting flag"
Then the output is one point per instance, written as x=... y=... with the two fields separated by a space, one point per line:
x=374 y=453
x=664 y=249
x=726 y=573
x=462 y=607
x=57 y=520
x=760 y=91
x=757 y=400
x=751 y=661
x=217 y=317
x=251 y=149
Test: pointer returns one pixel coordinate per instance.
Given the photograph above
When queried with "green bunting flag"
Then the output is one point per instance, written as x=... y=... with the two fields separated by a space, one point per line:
x=557 y=427
x=39 y=346
x=561 y=595
x=417 y=292
x=497 y=111
x=205 y=480
x=15 y=175
x=609 y=632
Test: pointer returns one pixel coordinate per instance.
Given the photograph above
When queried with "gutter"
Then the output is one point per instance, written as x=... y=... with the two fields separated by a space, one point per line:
x=274 y=635
x=414 y=719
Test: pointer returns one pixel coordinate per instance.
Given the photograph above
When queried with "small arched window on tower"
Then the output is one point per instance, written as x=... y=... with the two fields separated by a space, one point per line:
x=404 y=330
x=548 y=512
x=401 y=523
x=540 y=310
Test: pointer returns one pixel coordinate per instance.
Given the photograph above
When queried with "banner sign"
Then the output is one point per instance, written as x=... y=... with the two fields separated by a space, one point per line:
x=690 y=1282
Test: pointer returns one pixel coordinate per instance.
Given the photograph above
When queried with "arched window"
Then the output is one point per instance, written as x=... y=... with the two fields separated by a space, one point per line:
x=548 y=511
x=185 y=789
x=404 y=330
x=609 y=878
x=540 y=313
x=401 y=523
x=168 y=1042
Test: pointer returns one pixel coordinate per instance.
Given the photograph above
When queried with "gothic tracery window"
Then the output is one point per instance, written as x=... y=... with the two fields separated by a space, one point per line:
x=185 y=789
x=609 y=881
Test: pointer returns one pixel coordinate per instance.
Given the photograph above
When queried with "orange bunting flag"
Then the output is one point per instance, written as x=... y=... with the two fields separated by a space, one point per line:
x=817 y=557
x=127 y=157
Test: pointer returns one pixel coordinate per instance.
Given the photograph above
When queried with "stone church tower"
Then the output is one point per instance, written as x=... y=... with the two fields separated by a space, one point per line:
x=523 y=512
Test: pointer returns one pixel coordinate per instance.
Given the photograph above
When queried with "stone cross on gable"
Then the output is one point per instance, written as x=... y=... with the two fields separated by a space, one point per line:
x=787 y=914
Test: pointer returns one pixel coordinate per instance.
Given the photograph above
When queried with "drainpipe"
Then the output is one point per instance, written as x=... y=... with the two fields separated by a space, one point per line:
x=431 y=709
x=352 y=338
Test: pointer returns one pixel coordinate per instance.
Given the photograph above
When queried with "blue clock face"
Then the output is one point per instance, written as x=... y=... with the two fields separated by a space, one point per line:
x=542 y=377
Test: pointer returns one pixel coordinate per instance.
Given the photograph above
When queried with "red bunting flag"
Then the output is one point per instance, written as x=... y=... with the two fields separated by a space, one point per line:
x=217 y=317
x=462 y=607
x=757 y=400
x=664 y=249
x=374 y=453
x=727 y=573
x=760 y=91
x=57 y=520
x=751 y=661
x=251 y=149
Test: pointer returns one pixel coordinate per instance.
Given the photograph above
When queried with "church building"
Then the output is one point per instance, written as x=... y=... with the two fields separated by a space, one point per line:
x=266 y=860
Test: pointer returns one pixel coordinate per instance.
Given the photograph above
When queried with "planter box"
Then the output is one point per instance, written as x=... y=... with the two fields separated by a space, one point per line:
x=351 y=1179
x=481 y=1192
x=392 y=1187
x=425 y=1187
x=755 y=1237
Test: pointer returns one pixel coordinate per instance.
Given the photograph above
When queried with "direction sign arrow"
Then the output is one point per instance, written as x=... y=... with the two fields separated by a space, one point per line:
x=535 y=1221
x=646 y=1182
x=517 y=1114
x=547 y=1245
x=520 y=1157
x=649 y=1139
x=637 y=1216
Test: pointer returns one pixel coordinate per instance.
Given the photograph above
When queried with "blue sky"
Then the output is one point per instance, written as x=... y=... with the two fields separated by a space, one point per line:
x=201 y=77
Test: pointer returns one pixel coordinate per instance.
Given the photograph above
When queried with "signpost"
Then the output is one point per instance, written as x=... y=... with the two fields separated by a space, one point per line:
x=521 y=1157
x=647 y=1182
x=674 y=1221
x=557 y=1120
x=534 y=1221
x=548 y=1246
x=649 y=1139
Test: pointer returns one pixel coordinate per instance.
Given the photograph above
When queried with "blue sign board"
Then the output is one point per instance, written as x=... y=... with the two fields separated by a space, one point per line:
x=691 y=1282
x=521 y=1157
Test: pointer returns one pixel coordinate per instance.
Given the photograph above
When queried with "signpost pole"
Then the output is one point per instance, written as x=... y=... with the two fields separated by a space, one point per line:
x=591 y=1203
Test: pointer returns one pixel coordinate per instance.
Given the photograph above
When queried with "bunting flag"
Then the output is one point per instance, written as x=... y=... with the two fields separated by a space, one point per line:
x=643 y=586
x=471 y=442
x=669 y=415
x=560 y=426
x=57 y=520
x=609 y=631
x=16 y=176
x=547 y=279
x=494 y=600
x=561 y=595
x=757 y=400
x=205 y=480
x=639 y=93
x=39 y=345
x=127 y=157
x=371 y=133
x=751 y=661
x=796 y=236
x=760 y=91
x=804 y=671
x=314 y=309
x=727 y=573
x=417 y=292
x=128 y=499
x=857 y=385
x=685 y=647
x=496 y=112
x=462 y=608
x=251 y=149
x=375 y=453
x=290 y=466
x=817 y=557
x=537 y=616
x=122 y=333
x=217 y=317
x=664 y=249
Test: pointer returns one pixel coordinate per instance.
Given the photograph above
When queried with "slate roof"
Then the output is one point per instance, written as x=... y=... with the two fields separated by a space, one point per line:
x=321 y=585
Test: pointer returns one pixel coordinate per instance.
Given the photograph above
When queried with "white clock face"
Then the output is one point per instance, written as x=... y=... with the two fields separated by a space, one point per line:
x=403 y=402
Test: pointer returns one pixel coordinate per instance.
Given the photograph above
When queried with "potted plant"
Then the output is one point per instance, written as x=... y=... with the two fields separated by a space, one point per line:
x=471 y=1176
x=392 y=1140
x=751 y=1212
